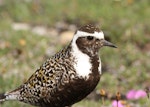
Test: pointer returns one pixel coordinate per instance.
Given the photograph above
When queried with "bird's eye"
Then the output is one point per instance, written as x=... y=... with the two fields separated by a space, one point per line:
x=90 y=37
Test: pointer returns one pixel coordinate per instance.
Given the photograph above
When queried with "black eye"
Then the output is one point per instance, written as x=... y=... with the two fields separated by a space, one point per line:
x=90 y=37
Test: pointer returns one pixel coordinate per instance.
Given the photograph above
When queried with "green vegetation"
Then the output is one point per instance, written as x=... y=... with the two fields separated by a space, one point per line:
x=124 y=22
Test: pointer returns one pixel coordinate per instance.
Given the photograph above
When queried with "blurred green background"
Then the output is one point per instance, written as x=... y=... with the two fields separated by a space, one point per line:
x=31 y=30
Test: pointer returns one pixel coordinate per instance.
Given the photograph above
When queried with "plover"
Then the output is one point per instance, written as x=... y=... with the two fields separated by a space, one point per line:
x=68 y=76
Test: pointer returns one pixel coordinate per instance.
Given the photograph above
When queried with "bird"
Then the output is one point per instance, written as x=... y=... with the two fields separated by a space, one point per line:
x=68 y=76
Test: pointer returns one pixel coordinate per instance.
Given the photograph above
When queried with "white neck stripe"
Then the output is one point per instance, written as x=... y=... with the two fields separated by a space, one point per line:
x=83 y=65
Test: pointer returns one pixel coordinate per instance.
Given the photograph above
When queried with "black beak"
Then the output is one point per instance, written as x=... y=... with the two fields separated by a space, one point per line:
x=106 y=43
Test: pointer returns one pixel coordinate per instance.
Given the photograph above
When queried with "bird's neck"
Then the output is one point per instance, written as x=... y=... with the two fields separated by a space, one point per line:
x=85 y=64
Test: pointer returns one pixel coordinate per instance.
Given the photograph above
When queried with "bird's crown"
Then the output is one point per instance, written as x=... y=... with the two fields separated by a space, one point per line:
x=89 y=28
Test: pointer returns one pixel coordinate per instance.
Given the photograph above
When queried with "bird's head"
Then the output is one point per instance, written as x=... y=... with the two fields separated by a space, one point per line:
x=89 y=39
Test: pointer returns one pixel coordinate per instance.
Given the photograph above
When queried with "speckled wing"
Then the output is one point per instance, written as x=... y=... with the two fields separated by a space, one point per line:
x=44 y=85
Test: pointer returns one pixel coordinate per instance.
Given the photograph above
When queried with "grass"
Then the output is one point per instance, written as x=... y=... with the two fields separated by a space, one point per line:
x=125 y=23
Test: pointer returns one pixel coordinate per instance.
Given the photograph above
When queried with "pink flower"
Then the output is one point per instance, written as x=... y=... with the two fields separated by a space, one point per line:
x=135 y=94
x=140 y=94
x=114 y=104
x=131 y=94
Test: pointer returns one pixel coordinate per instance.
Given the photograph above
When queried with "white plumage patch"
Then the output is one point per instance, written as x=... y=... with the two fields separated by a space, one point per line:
x=82 y=62
x=83 y=65
x=12 y=95
x=100 y=67
x=98 y=35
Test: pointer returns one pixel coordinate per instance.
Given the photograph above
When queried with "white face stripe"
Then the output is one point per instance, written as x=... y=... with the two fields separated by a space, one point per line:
x=99 y=35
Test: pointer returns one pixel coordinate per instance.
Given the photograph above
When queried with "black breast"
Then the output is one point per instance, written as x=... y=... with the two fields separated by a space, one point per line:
x=73 y=92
